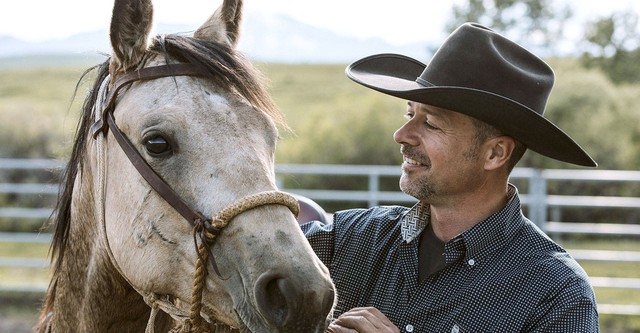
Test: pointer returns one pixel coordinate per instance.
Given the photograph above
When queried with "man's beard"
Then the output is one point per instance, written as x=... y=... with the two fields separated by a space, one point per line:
x=420 y=188
x=426 y=187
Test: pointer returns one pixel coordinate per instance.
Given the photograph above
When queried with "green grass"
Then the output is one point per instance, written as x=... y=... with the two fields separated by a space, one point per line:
x=24 y=250
x=611 y=244
x=24 y=277
x=612 y=269
x=618 y=296
x=37 y=115
x=20 y=275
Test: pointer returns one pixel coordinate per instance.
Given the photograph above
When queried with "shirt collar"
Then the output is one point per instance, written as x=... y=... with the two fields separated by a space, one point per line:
x=417 y=218
x=494 y=231
x=414 y=221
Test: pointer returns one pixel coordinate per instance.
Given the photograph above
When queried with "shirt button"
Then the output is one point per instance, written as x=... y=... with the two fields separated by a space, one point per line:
x=409 y=328
x=455 y=329
x=471 y=262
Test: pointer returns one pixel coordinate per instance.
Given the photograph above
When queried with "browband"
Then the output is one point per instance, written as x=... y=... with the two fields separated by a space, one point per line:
x=147 y=73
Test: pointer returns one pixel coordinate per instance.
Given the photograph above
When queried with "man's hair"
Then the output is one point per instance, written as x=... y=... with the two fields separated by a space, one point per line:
x=485 y=131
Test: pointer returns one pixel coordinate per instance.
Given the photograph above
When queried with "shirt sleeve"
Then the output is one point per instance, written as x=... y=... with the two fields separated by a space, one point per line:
x=352 y=232
x=321 y=237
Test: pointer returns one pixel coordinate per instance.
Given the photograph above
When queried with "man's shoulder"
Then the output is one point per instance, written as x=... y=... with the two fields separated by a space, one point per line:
x=375 y=222
x=547 y=259
x=378 y=214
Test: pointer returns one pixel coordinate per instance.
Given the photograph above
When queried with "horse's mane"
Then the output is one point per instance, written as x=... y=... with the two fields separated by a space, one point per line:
x=225 y=65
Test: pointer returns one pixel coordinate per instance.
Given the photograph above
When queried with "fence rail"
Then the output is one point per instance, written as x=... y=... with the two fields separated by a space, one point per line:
x=543 y=208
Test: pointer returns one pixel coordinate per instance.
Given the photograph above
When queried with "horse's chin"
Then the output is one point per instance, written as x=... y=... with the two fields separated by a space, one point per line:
x=237 y=325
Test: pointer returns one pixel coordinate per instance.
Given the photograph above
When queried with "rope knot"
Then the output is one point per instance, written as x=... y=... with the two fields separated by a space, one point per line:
x=207 y=231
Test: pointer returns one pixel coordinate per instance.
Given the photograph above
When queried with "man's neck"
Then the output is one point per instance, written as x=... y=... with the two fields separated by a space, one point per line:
x=453 y=217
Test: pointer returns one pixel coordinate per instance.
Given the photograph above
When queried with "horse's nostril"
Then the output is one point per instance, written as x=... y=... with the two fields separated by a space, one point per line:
x=277 y=301
x=294 y=303
x=274 y=297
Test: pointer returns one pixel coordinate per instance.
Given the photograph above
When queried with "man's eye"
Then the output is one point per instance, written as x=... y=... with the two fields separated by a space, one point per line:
x=428 y=125
x=157 y=145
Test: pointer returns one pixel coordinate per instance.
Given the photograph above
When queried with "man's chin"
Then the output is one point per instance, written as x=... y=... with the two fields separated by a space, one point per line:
x=407 y=187
x=417 y=189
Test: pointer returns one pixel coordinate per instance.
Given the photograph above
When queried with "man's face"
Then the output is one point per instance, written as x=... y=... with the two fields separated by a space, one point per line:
x=442 y=159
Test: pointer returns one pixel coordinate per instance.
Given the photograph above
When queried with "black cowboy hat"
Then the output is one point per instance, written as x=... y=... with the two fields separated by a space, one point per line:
x=482 y=74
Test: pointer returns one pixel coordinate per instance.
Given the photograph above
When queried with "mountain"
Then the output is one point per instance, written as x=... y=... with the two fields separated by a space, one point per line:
x=265 y=37
x=279 y=38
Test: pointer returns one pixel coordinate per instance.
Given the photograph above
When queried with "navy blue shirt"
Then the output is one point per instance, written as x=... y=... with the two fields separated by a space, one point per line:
x=502 y=275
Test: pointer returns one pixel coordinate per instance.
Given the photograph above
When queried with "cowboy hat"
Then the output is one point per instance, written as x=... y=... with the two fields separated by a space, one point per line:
x=482 y=74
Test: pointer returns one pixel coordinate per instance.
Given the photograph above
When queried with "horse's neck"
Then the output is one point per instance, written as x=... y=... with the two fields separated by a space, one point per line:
x=90 y=295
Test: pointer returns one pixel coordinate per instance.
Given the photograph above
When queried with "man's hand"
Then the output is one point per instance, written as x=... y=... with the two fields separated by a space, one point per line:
x=362 y=320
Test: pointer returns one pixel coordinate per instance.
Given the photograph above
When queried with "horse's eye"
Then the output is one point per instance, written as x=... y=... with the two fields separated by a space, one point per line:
x=157 y=145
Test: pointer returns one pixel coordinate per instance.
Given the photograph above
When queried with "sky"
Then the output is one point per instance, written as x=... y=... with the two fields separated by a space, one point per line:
x=398 y=21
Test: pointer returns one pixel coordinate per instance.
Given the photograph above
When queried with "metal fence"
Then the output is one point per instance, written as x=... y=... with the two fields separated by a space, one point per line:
x=543 y=208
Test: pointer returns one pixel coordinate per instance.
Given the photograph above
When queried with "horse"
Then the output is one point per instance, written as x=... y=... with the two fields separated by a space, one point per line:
x=169 y=218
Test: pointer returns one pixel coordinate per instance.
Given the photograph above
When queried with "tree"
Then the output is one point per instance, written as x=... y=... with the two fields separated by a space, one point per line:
x=536 y=24
x=613 y=45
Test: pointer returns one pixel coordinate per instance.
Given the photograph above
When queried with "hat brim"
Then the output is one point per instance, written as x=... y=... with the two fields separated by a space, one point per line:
x=396 y=75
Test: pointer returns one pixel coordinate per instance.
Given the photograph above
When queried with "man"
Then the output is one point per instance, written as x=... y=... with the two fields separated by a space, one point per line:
x=464 y=259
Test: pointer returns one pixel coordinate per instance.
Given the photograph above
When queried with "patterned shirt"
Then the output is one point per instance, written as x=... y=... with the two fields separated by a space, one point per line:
x=502 y=275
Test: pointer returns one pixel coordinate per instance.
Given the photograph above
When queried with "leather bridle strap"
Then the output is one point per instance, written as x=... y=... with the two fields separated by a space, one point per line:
x=107 y=122
x=147 y=73
x=154 y=180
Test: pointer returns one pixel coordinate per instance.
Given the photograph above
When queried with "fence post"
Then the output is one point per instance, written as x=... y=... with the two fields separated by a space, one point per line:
x=374 y=187
x=538 y=193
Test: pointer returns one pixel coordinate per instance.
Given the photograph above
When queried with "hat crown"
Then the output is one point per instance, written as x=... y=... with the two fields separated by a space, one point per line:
x=478 y=58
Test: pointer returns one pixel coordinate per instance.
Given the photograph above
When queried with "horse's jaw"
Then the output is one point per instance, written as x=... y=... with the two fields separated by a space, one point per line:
x=87 y=293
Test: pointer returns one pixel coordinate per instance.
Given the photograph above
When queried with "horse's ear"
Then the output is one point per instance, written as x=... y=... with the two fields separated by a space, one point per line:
x=224 y=25
x=131 y=24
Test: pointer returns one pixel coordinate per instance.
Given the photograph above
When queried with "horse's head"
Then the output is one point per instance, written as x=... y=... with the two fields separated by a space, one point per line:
x=209 y=134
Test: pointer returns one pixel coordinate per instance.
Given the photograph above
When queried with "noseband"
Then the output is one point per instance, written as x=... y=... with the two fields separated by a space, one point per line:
x=206 y=229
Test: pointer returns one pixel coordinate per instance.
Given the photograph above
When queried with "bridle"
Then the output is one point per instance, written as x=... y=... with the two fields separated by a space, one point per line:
x=205 y=229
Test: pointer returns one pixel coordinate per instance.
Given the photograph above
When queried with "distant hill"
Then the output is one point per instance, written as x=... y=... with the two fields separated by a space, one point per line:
x=266 y=37
x=51 y=60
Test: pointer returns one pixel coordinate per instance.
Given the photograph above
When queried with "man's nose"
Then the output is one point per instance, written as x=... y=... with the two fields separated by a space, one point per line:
x=406 y=134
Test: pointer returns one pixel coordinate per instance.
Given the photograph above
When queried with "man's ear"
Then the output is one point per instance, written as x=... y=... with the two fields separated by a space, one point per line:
x=499 y=151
